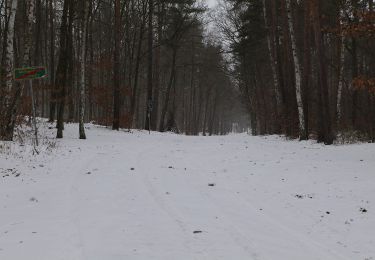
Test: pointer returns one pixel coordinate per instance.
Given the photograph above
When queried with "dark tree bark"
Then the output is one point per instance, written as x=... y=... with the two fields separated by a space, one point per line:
x=116 y=68
x=158 y=58
x=168 y=92
x=149 y=104
x=63 y=63
x=52 y=108
x=325 y=133
x=136 y=73
x=306 y=65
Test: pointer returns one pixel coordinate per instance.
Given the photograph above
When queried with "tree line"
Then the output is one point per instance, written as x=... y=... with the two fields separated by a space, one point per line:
x=144 y=64
x=305 y=68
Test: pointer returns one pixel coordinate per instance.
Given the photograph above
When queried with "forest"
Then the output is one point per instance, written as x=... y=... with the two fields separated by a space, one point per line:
x=187 y=129
x=303 y=69
x=125 y=64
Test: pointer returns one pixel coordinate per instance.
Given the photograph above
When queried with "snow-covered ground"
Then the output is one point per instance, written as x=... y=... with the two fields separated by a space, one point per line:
x=136 y=196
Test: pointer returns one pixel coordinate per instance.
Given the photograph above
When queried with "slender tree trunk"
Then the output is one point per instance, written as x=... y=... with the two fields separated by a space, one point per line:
x=38 y=55
x=273 y=63
x=168 y=92
x=15 y=90
x=171 y=121
x=38 y=33
x=325 y=128
x=52 y=108
x=192 y=86
x=82 y=95
x=63 y=63
x=26 y=62
x=149 y=104
x=205 y=115
x=278 y=65
x=6 y=127
x=354 y=51
x=306 y=65
x=116 y=68
x=199 y=110
x=70 y=87
x=341 y=72
x=213 y=114
x=28 y=34
x=91 y=64
x=155 y=110
x=286 y=72
x=136 y=74
x=297 y=73
x=5 y=32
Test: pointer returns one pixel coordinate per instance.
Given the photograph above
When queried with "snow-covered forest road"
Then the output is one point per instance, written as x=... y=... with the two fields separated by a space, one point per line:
x=136 y=196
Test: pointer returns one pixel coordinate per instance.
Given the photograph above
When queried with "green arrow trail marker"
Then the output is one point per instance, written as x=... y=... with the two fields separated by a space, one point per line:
x=30 y=73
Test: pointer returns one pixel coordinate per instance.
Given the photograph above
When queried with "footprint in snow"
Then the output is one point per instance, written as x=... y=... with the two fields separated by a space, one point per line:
x=33 y=199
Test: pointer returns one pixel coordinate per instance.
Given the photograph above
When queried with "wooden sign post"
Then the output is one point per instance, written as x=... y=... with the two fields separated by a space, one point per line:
x=30 y=73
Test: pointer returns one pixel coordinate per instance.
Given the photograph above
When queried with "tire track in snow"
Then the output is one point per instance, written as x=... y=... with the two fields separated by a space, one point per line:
x=310 y=245
x=154 y=194
x=73 y=196
x=294 y=238
x=270 y=221
x=236 y=236
x=143 y=189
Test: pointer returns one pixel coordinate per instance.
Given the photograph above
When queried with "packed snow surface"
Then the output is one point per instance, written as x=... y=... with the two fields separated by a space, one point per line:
x=137 y=196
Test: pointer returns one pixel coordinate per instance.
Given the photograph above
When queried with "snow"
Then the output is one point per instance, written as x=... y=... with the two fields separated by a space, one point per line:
x=211 y=3
x=137 y=196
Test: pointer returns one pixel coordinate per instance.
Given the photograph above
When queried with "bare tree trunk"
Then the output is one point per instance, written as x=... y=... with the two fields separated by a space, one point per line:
x=38 y=55
x=213 y=114
x=15 y=91
x=192 y=86
x=168 y=92
x=306 y=65
x=325 y=128
x=6 y=128
x=278 y=65
x=149 y=104
x=274 y=65
x=82 y=95
x=205 y=115
x=91 y=69
x=286 y=70
x=116 y=68
x=63 y=64
x=28 y=34
x=155 y=109
x=171 y=125
x=136 y=73
x=30 y=6
x=341 y=72
x=297 y=73
x=52 y=108
x=354 y=52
